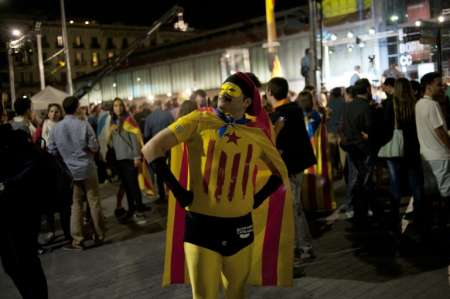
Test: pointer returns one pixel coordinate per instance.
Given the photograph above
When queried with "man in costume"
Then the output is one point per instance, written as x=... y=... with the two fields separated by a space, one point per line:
x=218 y=194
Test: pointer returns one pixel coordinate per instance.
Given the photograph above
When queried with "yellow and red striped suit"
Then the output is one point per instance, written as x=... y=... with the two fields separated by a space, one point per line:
x=224 y=172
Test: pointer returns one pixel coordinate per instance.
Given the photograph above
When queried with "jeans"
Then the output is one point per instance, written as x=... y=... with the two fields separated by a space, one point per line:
x=352 y=175
x=414 y=172
x=302 y=234
x=128 y=174
x=361 y=191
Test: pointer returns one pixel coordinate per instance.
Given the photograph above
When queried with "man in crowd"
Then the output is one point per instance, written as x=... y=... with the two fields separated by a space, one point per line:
x=356 y=75
x=218 y=227
x=434 y=139
x=357 y=141
x=22 y=120
x=157 y=121
x=297 y=153
x=74 y=139
x=392 y=72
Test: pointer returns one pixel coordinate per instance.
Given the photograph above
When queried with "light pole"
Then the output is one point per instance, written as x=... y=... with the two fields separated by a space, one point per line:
x=312 y=42
x=11 y=73
x=66 y=48
x=40 y=58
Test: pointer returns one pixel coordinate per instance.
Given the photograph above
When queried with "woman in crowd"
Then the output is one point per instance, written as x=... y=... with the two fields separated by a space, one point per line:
x=126 y=141
x=410 y=163
x=54 y=114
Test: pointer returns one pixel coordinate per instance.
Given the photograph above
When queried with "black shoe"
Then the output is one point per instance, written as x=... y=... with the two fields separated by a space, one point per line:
x=143 y=208
x=127 y=218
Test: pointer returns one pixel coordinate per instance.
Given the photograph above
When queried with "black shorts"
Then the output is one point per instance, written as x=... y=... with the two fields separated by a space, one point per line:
x=226 y=236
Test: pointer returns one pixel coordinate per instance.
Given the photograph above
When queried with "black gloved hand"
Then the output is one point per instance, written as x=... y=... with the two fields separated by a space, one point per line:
x=160 y=167
x=271 y=186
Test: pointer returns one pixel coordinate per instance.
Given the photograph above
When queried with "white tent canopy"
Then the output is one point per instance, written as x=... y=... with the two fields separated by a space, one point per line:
x=47 y=96
x=50 y=95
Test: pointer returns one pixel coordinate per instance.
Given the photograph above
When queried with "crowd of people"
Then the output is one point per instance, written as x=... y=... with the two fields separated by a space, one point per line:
x=305 y=141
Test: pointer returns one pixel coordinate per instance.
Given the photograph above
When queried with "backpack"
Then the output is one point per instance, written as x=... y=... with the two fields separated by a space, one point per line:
x=58 y=177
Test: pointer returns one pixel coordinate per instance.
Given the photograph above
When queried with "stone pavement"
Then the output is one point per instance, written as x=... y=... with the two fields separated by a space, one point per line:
x=348 y=265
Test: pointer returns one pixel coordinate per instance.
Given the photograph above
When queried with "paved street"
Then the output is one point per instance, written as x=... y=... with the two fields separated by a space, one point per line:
x=348 y=265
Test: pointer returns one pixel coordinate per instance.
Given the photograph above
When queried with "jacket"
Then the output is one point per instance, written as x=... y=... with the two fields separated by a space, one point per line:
x=292 y=141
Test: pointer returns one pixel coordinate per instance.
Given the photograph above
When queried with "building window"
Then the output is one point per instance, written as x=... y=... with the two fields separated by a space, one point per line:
x=94 y=43
x=78 y=43
x=124 y=43
x=95 y=61
x=59 y=41
x=79 y=59
x=110 y=56
x=110 y=43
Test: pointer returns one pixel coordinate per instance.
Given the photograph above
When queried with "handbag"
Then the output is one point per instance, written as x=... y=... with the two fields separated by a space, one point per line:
x=394 y=148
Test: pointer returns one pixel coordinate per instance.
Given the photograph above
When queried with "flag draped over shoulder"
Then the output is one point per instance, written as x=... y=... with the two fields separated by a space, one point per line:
x=145 y=183
x=273 y=248
x=317 y=191
x=103 y=130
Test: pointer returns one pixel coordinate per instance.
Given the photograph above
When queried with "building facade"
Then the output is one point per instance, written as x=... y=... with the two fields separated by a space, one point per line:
x=91 y=46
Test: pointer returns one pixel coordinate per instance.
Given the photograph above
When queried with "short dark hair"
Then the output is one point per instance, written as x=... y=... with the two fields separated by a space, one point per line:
x=70 y=104
x=361 y=87
x=336 y=92
x=198 y=92
x=279 y=88
x=428 y=78
x=22 y=105
x=389 y=82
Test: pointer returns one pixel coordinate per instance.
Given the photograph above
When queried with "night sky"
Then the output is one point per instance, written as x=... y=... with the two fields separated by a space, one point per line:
x=200 y=14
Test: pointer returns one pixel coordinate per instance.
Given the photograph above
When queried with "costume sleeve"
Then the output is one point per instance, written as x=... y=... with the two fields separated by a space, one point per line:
x=269 y=150
x=185 y=126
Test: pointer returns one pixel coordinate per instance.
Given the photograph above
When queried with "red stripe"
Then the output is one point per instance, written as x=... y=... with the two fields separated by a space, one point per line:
x=209 y=159
x=177 y=261
x=246 y=168
x=272 y=238
x=325 y=171
x=234 y=170
x=220 y=175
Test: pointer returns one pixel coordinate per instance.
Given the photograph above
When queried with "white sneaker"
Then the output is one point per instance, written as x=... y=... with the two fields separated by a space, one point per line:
x=139 y=218
x=349 y=214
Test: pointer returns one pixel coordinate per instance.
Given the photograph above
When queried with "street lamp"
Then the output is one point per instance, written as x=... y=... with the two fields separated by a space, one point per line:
x=16 y=32
x=441 y=19
x=418 y=23
x=394 y=18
